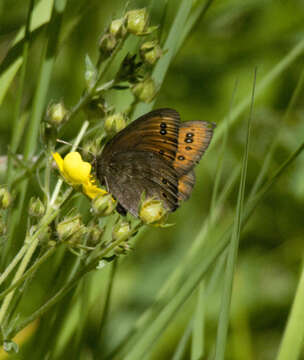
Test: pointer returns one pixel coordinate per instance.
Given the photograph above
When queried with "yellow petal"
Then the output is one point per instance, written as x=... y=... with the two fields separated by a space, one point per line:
x=92 y=190
x=75 y=169
x=59 y=161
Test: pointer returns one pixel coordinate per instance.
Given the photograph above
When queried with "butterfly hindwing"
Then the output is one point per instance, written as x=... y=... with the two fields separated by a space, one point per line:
x=193 y=140
x=185 y=185
x=128 y=179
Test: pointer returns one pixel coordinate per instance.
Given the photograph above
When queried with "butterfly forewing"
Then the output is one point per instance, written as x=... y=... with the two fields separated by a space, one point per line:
x=155 y=132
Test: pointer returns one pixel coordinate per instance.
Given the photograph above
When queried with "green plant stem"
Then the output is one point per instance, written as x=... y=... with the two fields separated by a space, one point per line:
x=68 y=286
x=31 y=244
x=29 y=272
x=12 y=264
x=292 y=342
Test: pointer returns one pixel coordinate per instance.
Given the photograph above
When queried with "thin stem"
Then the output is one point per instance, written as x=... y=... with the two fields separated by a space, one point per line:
x=13 y=263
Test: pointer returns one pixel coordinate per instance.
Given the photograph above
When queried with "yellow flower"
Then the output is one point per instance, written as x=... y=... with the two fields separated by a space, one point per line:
x=78 y=172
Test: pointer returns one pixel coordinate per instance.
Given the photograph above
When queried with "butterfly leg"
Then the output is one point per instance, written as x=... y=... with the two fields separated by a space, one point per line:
x=121 y=210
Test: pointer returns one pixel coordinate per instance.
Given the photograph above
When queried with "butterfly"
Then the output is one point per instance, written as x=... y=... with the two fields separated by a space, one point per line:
x=155 y=155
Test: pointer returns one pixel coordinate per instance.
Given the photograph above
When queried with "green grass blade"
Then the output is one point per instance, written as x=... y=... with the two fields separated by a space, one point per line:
x=293 y=338
x=41 y=15
x=267 y=80
x=198 y=333
x=233 y=250
x=18 y=125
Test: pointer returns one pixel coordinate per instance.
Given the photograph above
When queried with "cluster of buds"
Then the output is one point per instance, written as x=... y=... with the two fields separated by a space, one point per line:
x=115 y=123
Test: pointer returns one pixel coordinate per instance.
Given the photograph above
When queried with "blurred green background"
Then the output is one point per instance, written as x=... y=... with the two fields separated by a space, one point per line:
x=223 y=49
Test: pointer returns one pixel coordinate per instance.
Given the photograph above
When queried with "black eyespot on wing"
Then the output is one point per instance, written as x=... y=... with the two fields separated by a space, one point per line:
x=181 y=157
x=163 y=132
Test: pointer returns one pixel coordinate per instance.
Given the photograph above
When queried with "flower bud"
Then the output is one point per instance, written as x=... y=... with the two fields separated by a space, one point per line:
x=137 y=21
x=36 y=207
x=5 y=198
x=145 y=90
x=117 y=28
x=115 y=123
x=69 y=228
x=107 y=45
x=150 y=51
x=103 y=205
x=56 y=114
x=152 y=211
x=95 y=235
x=121 y=231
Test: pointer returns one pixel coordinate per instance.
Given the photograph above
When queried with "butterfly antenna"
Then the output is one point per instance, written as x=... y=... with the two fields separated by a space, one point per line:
x=78 y=147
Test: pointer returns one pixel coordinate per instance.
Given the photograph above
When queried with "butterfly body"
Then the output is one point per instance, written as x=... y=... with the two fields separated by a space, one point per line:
x=156 y=155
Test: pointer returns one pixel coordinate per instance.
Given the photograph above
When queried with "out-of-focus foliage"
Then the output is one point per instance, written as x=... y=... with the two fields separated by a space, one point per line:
x=223 y=49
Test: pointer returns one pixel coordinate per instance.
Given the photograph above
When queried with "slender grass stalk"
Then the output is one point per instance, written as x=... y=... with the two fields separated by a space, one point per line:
x=198 y=330
x=293 y=337
x=233 y=250
x=267 y=80
x=47 y=63
x=17 y=124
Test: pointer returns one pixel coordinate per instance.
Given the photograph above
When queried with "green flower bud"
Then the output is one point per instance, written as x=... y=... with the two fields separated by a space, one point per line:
x=121 y=231
x=36 y=207
x=95 y=235
x=115 y=123
x=150 y=51
x=103 y=205
x=117 y=28
x=137 y=21
x=145 y=91
x=152 y=211
x=107 y=45
x=56 y=114
x=70 y=229
x=5 y=198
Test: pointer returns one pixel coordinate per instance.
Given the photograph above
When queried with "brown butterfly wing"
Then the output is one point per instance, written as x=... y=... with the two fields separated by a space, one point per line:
x=132 y=173
x=193 y=140
x=156 y=131
x=185 y=185
x=155 y=154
